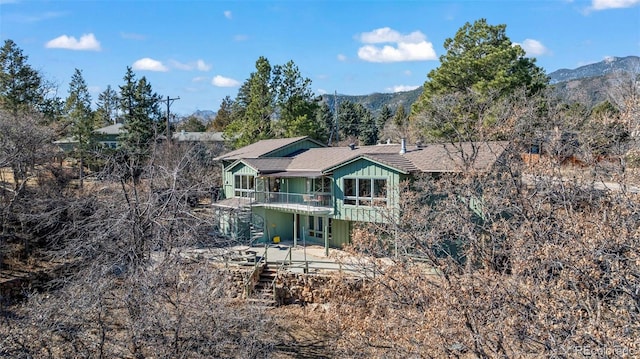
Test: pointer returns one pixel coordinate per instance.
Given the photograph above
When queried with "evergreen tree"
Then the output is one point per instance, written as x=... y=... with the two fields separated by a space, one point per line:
x=107 y=109
x=80 y=118
x=223 y=116
x=21 y=87
x=295 y=102
x=325 y=119
x=354 y=119
x=368 y=129
x=383 y=117
x=481 y=65
x=255 y=106
x=192 y=124
x=273 y=102
x=141 y=115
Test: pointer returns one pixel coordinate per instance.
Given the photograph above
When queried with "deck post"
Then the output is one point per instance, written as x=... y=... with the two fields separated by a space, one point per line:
x=325 y=234
x=295 y=232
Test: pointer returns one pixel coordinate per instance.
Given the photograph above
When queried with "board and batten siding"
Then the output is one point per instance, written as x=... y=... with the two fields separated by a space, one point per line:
x=340 y=233
x=364 y=168
x=239 y=169
x=294 y=147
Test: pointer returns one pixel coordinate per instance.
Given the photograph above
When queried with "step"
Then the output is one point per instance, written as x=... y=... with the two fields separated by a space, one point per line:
x=262 y=302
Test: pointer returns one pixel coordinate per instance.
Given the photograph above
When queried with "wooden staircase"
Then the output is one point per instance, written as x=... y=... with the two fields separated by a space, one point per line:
x=263 y=289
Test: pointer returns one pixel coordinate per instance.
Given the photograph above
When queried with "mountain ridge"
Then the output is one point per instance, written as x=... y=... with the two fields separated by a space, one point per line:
x=585 y=83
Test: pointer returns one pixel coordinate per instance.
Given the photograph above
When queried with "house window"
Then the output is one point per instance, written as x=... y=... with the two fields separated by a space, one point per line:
x=322 y=185
x=316 y=225
x=350 y=191
x=243 y=185
x=365 y=191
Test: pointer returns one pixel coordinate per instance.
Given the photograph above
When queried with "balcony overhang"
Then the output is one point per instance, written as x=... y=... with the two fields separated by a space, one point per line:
x=292 y=174
x=297 y=208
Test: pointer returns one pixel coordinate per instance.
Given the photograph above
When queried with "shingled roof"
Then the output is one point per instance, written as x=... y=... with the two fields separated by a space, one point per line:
x=260 y=148
x=315 y=161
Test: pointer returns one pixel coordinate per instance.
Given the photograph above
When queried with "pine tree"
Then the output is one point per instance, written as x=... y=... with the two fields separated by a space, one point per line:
x=273 y=101
x=21 y=87
x=141 y=114
x=223 y=116
x=107 y=109
x=295 y=102
x=325 y=119
x=481 y=65
x=254 y=106
x=368 y=129
x=383 y=117
x=80 y=118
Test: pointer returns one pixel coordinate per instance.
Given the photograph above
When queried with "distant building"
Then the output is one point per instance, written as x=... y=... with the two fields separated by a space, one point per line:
x=107 y=136
x=195 y=137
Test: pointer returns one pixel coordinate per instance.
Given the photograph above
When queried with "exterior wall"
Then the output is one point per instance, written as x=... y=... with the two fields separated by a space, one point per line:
x=301 y=145
x=341 y=233
x=294 y=185
x=276 y=224
x=365 y=169
x=240 y=169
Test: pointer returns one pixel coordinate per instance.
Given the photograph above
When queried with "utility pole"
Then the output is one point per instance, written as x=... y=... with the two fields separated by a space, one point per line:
x=169 y=101
x=334 y=128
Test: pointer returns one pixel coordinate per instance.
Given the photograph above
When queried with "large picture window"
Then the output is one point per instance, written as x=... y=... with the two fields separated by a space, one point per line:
x=365 y=191
x=243 y=185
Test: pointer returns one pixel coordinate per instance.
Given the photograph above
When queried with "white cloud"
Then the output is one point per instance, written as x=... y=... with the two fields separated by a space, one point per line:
x=180 y=66
x=32 y=18
x=202 y=66
x=199 y=65
x=86 y=42
x=321 y=92
x=533 y=47
x=403 y=52
x=341 y=57
x=149 y=64
x=613 y=4
x=228 y=14
x=221 y=81
x=402 y=88
x=200 y=79
x=387 y=34
x=411 y=47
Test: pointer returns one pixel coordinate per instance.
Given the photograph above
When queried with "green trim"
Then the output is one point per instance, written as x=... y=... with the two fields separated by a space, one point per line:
x=367 y=158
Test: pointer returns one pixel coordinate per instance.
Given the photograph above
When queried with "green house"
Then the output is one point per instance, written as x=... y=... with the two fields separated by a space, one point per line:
x=106 y=136
x=297 y=189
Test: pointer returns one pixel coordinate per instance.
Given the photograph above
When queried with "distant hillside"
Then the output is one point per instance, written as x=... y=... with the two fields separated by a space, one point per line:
x=595 y=83
x=589 y=84
x=375 y=102
x=204 y=115
x=609 y=66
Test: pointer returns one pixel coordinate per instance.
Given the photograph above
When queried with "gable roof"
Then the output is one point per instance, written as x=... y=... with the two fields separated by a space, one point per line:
x=266 y=165
x=315 y=162
x=449 y=157
x=110 y=130
x=263 y=148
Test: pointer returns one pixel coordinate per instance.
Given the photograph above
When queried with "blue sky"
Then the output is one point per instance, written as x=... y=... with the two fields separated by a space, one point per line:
x=202 y=51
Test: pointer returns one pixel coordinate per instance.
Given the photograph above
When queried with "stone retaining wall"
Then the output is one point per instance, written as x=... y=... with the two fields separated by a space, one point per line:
x=297 y=288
